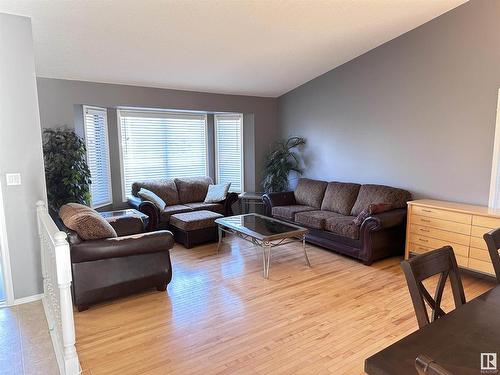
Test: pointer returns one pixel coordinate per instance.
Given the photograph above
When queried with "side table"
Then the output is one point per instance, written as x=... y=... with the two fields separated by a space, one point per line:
x=249 y=199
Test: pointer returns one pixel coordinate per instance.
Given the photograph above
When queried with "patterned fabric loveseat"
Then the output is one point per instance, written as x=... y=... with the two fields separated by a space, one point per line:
x=181 y=195
x=366 y=222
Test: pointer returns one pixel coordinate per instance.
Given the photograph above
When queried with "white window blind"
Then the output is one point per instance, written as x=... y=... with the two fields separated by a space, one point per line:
x=157 y=145
x=96 y=140
x=229 y=150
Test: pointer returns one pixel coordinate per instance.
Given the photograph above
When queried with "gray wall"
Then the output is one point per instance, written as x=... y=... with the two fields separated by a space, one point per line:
x=60 y=101
x=417 y=112
x=20 y=151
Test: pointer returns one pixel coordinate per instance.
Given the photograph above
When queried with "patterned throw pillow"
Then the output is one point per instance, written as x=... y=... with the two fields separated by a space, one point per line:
x=217 y=193
x=86 y=222
x=371 y=210
x=148 y=195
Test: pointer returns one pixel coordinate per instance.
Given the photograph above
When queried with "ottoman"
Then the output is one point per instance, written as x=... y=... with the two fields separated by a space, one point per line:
x=194 y=228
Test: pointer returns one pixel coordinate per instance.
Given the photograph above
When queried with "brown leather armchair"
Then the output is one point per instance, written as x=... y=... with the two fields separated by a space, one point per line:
x=112 y=267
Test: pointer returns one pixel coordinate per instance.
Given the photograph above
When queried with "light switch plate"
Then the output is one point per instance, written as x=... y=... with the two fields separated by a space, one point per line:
x=13 y=178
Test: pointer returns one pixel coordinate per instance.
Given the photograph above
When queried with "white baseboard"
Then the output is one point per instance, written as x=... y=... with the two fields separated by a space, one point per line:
x=33 y=298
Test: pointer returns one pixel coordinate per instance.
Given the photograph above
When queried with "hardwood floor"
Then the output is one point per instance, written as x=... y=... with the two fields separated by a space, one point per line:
x=219 y=316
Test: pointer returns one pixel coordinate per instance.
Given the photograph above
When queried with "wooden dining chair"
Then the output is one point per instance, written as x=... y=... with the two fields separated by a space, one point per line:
x=419 y=268
x=426 y=366
x=492 y=239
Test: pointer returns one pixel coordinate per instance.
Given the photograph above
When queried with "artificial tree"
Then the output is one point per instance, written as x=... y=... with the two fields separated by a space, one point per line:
x=282 y=160
x=66 y=171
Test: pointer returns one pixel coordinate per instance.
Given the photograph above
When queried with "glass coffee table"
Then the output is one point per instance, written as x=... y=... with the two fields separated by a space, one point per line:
x=264 y=232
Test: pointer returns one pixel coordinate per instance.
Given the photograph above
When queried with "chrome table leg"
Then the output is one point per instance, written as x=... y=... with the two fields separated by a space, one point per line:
x=220 y=239
x=305 y=251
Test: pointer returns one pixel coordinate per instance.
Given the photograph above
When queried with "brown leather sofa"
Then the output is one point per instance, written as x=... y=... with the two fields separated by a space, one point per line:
x=328 y=210
x=112 y=267
x=181 y=195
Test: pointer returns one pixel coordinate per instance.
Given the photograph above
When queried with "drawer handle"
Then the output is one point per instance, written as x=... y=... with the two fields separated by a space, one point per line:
x=425 y=210
x=424 y=230
x=422 y=240
x=425 y=220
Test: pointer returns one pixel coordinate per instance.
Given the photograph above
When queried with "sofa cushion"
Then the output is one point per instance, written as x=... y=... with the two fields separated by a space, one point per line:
x=342 y=226
x=373 y=194
x=371 y=210
x=310 y=192
x=214 y=207
x=217 y=193
x=171 y=210
x=89 y=226
x=165 y=189
x=70 y=209
x=314 y=219
x=192 y=189
x=194 y=220
x=340 y=197
x=288 y=212
x=148 y=195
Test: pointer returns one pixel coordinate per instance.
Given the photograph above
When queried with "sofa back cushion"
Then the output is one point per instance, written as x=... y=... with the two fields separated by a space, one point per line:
x=166 y=189
x=375 y=194
x=310 y=192
x=340 y=197
x=193 y=189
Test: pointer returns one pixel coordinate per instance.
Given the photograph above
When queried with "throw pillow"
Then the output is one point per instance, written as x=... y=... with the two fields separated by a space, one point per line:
x=70 y=209
x=152 y=197
x=371 y=210
x=88 y=224
x=217 y=193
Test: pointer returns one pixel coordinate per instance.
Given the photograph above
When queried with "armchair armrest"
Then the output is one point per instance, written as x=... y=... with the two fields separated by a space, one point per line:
x=277 y=199
x=384 y=220
x=147 y=208
x=136 y=244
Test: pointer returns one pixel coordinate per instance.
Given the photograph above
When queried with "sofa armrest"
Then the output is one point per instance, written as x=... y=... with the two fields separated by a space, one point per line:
x=136 y=244
x=148 y=208
x=384 y=220
x=277 y=199
x=231 y=199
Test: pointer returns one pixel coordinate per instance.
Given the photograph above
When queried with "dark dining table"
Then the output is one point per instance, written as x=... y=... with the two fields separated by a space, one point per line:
x=456 y=341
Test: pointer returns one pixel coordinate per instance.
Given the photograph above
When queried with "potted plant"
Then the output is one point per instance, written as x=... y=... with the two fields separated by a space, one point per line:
x=282 y=160
x=66 y=171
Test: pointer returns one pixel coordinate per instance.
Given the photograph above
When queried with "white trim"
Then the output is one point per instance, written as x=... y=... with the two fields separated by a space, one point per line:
x=86 y=108
x=242 y=171
x=120 y=150
x=33 y=298
x=5 y=257
x=495 y=177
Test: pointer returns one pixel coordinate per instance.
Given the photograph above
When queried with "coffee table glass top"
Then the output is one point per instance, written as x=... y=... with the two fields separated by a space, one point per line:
x=261 y=227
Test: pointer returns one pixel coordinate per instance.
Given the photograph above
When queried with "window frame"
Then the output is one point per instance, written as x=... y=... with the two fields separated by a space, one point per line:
x=86 y=108
x=494 y=198
x=242 y=153
x=158 y=112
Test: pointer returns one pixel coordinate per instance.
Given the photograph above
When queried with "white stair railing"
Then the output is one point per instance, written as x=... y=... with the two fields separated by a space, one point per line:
x=56 y=272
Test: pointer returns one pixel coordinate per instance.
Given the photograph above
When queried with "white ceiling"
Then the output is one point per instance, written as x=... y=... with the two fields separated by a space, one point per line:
x=261 y=47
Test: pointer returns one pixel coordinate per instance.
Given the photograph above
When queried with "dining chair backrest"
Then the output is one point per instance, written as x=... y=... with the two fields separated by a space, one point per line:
x=440 y=262
x=492 y=239
x=426 y=366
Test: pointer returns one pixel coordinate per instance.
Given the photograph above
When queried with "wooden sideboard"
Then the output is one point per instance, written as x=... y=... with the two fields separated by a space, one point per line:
x=432 y=224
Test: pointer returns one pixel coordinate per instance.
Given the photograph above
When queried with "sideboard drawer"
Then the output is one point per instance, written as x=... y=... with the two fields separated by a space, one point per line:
x=441 y=224
x=480 y=265
x=462 y=261
x=485 y=221
x=478 y=242
x=480 y=254
x=442 y=214
x=419 y=249
x=436 y=243
x=479 y=231
x=444 y=235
